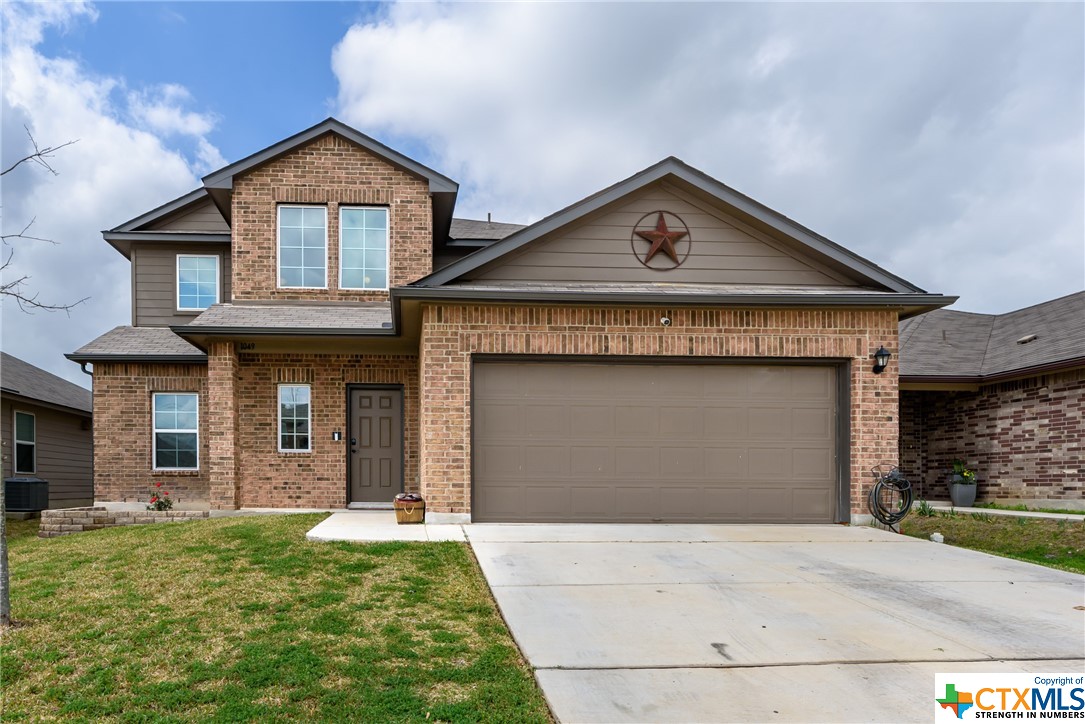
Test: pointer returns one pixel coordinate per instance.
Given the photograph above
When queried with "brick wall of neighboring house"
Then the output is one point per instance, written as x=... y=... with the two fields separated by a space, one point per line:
x=1025 y=439
x=123 y=468
x=452 y=334
x=317 y=479
x=329 y=171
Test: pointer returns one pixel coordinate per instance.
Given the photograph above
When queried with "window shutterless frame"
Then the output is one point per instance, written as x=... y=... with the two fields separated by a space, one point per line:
x=294 y=419
x=218 y=275
x=367 y=248
x=297 y=247
x=25 y=442
x=175 y=430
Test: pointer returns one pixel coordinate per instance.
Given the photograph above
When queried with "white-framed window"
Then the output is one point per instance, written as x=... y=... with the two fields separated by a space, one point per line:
x=363 y=247
x=26 y=443
x=176 y=431
x=303 y=247
x=197 y=282
x=295 y=415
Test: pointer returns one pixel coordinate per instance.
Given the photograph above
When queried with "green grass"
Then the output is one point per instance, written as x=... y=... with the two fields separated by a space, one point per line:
x=1022 y=507
x=241 y=619
x=1054 y=543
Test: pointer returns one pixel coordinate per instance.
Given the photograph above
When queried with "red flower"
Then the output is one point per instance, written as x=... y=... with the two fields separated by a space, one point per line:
x=154 y=499
x=166 y=493
x=158 y=485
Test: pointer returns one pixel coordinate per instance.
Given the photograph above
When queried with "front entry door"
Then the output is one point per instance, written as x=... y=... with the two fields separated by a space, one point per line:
x=375 y=432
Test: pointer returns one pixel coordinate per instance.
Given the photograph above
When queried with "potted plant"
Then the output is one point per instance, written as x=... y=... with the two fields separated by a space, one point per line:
x=962 y=485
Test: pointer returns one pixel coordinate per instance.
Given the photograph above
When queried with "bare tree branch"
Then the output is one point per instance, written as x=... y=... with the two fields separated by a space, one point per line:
x=23 y=235
x=40 y=155
x=28 y=303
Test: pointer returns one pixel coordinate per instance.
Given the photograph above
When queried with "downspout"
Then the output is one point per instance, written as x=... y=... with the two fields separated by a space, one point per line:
x=83 y=369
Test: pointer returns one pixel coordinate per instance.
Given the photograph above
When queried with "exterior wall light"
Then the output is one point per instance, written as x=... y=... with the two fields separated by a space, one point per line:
x=881 y=360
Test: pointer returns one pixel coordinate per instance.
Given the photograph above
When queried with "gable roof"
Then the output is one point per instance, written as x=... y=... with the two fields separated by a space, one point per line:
x=33 y=383
x=218 y=185
x=954 y=345
x=676 y=170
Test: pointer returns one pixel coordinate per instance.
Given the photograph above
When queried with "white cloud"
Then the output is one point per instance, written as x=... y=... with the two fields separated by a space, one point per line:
x=941 y=141
x=119 y=167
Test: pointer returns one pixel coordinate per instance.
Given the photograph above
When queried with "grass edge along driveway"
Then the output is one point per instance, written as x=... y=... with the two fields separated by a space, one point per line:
x=242 y=619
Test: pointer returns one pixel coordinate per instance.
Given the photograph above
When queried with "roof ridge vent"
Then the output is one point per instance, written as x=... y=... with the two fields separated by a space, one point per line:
x=1027 y=338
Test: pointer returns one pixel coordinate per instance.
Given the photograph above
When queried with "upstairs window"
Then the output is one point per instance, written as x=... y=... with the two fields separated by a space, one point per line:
x=363 y=248
x=294 y=417
x=303 y=247
x=26 y=444
x=176 y=431
x=197 y=282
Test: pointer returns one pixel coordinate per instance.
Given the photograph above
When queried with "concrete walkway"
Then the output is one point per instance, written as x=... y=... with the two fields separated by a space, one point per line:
x=1012 y=513
x=360 y=526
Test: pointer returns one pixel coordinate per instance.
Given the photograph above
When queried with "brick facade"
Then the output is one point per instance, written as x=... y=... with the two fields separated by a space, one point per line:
x=330 y=172
x=1025 y=439
x=268 y=478
x=123 y=429
x=452 y=334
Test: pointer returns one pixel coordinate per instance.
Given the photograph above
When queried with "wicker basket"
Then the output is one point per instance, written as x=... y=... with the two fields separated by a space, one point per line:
x=410 y=511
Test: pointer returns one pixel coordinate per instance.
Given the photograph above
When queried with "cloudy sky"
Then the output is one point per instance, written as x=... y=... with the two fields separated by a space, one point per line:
x=942 y=141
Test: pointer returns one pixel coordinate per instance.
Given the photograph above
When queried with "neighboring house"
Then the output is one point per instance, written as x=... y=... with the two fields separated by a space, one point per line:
x=1003 y=392
x=45 y=431
x=313 y=328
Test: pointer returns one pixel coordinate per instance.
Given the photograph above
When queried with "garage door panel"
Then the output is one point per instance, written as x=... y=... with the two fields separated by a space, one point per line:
x=593 y=502
x=722 y=464
x=641 y=503
x=681 y=462
x=726 y=423
x=636 y=420
x=591 y=461
x=622 y=443
x=811 y=463
x=768 y=423
x=769 y=463
x=497 y=420
x=684 y=422
x=637 y=462
x=811 y=423
x=546 y=460
x=547 y=500
x=592 y=420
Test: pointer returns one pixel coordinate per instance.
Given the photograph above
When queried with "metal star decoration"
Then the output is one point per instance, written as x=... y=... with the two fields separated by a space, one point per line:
x=662 y=239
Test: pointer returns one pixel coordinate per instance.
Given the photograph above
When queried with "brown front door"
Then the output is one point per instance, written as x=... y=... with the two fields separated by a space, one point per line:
x=375 y=465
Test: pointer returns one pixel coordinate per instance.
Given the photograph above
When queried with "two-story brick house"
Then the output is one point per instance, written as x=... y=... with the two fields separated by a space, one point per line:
x=313 y=328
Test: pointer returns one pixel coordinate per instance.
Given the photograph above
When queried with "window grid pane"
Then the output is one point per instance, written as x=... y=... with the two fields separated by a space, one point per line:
x=197 y=281
x=176 y=431
x=294 y=412
x=302 y=246
x=364 y=243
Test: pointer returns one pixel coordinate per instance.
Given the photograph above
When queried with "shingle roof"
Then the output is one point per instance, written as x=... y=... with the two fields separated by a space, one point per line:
x=331 y=317
x=137 y=342
x=24 y=379
x=483 y=230
x=948 y=343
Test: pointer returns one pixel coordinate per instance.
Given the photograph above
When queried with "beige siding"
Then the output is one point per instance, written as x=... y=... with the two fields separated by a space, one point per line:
x=154 y=295
x=63 y=456
x=723 y=250
x=201 y=217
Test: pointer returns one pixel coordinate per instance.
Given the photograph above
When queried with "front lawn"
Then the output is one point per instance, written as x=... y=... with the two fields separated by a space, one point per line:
x=242 y=619
x=1054 y=543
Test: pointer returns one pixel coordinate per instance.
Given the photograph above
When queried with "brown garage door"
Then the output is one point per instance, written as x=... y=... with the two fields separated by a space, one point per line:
x=561 y=442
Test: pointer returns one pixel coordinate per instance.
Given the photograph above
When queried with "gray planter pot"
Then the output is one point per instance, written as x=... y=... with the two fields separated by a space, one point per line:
x=962 y=495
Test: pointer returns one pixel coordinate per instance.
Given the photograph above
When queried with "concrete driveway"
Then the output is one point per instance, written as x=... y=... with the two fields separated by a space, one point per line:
x=700 y=623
